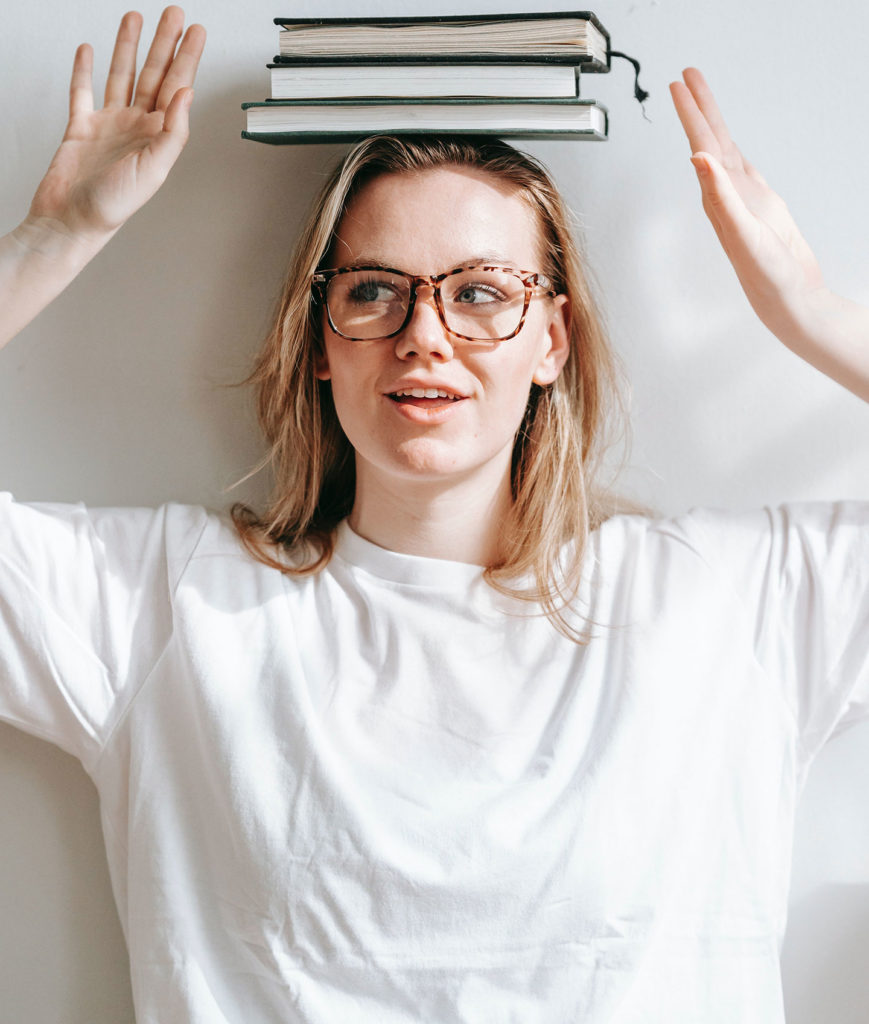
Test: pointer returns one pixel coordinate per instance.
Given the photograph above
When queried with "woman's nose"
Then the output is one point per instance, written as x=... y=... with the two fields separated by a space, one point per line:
x=424 y=334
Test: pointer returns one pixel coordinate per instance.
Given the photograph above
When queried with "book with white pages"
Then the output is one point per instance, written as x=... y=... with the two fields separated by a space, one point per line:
x=572 y=37
x=333 y=121
x=376 y=80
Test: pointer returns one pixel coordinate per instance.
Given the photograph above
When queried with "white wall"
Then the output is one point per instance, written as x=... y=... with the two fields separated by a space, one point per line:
x=113 y=396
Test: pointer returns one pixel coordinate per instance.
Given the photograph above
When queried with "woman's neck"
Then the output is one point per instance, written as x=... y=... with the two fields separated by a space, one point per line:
x=459 y=520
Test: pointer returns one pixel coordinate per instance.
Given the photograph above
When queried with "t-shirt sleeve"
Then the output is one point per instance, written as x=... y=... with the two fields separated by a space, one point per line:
x=85 y=612
x=800 y=575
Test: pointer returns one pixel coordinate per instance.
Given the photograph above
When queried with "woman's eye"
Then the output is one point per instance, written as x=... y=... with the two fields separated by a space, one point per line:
x=371 y=291
x=475 y=294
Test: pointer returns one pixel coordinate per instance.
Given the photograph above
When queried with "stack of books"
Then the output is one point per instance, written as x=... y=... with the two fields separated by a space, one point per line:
x=514 y=76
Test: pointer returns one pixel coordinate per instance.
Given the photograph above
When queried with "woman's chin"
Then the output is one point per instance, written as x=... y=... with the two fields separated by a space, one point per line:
x=432 y=460
x=425 y=458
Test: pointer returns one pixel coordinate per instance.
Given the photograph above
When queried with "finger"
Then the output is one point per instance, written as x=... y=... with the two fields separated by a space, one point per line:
x=708 y=107
x=81 y=90
x=733 y=223
x=177 y=122
x=166 y=146
x=159 y=57
x=122 y=70
x=182 y=71
x=696 y=127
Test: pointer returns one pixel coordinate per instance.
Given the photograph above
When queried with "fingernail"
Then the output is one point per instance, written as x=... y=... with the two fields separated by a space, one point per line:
x=701 y=164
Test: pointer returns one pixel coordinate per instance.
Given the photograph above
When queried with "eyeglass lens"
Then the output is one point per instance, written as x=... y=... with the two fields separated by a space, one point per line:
x=480 y=304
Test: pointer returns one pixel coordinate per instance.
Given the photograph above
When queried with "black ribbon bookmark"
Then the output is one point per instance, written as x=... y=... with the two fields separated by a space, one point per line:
x=640 y=93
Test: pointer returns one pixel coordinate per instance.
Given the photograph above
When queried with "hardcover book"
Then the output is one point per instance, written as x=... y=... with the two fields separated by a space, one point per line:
x=572 y=37
x=330 y=121
x=301 y=80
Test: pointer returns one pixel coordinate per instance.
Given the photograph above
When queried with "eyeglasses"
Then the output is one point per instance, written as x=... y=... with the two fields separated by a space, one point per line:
x=477 y=303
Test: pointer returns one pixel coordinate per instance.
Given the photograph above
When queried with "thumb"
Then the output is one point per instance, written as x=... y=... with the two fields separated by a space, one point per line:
x=176 y=120
x=167 y=145
x=733 y=222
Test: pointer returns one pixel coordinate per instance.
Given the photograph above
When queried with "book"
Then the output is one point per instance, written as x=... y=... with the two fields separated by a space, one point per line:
x=280 y=121
x=301 y=80
x=574 y=37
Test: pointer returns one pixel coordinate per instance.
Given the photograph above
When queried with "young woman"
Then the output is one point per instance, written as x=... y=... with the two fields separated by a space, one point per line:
x=438 y=737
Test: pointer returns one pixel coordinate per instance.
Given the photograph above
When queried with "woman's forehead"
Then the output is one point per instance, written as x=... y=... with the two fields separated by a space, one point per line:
x=432 y=220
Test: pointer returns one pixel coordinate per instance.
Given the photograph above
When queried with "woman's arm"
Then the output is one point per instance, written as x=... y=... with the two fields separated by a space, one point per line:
x=110 y=162
x=772 y=260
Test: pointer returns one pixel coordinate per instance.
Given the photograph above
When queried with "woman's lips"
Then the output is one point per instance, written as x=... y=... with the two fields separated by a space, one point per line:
x=425 y=410
x=424 y=403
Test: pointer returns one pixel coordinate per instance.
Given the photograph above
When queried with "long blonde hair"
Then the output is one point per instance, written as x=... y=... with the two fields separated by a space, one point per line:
x=557 y=448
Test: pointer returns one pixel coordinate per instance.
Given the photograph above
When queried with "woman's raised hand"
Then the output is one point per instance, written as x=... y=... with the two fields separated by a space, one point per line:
x=774 y=264
x=113 y=159
x=772 y=260
x=110 y=162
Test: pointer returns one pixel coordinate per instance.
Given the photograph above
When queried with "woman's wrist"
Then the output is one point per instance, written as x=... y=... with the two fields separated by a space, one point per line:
x=50 y=242
x=38 y=259
x=832 y=334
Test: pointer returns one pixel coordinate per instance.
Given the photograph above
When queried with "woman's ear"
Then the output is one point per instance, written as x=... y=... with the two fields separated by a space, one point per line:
x=556 y=343
x=321 y=365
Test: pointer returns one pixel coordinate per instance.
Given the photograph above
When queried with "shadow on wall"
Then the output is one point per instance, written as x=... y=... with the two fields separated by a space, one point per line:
x=62 y=950
x=824 y=956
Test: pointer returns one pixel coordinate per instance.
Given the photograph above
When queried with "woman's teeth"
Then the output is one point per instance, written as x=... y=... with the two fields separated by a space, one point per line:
x=424 y=393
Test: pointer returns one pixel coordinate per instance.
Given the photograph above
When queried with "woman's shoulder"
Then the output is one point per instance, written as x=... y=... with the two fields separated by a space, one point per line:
x=828 y=515
x=134 y=534
x=729 y=538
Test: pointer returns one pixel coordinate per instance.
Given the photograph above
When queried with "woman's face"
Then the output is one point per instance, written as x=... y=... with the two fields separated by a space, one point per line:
x=427 y=223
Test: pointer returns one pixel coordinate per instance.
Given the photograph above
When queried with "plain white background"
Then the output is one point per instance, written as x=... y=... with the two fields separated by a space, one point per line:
x=117 y=394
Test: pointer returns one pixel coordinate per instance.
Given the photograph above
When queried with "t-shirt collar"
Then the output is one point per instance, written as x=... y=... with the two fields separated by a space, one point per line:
x=398 y=567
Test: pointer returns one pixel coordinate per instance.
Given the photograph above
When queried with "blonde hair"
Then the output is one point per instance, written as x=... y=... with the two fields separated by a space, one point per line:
x=558 y=446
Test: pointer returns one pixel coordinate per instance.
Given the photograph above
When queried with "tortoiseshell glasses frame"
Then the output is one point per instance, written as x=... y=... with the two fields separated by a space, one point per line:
x=532 y=282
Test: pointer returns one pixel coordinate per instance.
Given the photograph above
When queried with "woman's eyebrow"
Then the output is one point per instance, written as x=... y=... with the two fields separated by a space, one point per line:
x=368 y=261
x=475 y=260
x=490 y=258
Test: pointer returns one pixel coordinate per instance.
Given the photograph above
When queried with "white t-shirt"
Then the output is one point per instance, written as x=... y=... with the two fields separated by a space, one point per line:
x=387 y=794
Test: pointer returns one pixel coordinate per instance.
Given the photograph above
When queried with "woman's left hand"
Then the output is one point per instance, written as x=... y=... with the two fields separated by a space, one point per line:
x=774 y=264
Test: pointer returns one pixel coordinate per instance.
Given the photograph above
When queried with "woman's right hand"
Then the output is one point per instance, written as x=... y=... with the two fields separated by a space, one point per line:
x=112 y=160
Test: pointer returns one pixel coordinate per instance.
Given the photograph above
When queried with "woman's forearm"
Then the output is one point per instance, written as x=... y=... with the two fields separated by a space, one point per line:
x=37 y=261
x=832 y=333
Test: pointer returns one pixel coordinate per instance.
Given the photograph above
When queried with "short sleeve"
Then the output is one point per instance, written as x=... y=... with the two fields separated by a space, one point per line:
x=800 y=575
x=85 y=611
